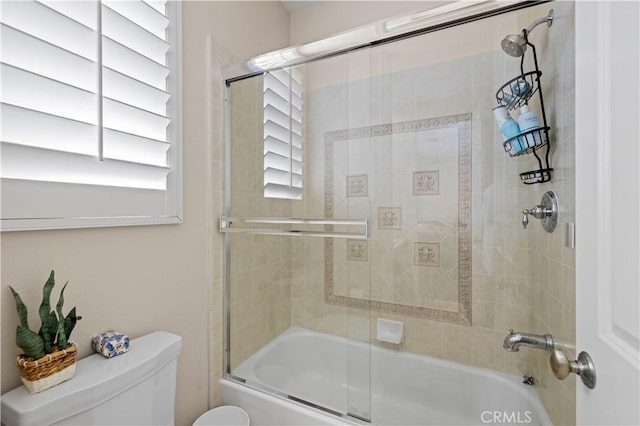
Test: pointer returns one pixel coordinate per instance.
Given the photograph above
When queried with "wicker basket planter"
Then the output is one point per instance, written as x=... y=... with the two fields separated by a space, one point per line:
x=50 y=370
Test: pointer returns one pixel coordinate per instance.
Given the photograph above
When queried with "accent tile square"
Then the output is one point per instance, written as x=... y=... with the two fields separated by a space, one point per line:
x=358 y=250
x=357 y=186
x=426 y=254
x=426 y=183
x=390 y=218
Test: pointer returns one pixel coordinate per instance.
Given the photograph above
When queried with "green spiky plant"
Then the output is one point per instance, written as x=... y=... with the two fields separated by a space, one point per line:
x=55 y=329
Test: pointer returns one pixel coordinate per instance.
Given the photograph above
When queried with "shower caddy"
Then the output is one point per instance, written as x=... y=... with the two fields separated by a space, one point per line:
x=534 y=139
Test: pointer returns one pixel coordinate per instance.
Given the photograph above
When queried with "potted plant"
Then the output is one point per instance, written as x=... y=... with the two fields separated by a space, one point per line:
x=49 y=357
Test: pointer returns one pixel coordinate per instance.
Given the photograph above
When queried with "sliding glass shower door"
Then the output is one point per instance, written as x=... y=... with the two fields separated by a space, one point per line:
x=297 y=233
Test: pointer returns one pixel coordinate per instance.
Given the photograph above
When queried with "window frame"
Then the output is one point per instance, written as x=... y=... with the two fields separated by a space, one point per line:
x=174 y=189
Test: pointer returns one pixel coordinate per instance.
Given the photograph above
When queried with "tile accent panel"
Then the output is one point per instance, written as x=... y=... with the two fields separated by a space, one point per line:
x=390 y=217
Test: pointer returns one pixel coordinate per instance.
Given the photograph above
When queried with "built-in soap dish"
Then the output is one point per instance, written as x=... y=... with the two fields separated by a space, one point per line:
x=390 y=331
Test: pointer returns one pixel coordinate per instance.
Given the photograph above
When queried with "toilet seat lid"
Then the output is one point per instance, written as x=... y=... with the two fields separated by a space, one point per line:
x=226 y=415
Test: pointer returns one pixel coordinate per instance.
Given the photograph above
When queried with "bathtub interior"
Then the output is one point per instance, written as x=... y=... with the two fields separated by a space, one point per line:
x=295 y=364
x=406 y=389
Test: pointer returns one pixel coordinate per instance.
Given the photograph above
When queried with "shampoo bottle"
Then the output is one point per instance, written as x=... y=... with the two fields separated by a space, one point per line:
x=508 y=127
x=527 y=120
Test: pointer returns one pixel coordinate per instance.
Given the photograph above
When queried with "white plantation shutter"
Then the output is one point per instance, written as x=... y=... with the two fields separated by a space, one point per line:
x=89 y=108
x=283 y=163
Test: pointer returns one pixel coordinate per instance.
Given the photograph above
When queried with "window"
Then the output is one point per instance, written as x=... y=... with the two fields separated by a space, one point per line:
x=90 y=113
x=282 y=92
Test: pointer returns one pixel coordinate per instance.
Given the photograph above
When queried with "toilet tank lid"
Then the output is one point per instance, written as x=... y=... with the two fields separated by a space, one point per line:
x=97 y=379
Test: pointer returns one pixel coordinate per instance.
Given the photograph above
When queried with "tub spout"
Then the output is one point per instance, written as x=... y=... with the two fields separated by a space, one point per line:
x=513 y=341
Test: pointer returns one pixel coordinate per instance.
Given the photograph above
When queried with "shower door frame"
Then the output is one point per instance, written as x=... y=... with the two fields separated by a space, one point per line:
x=397 y=28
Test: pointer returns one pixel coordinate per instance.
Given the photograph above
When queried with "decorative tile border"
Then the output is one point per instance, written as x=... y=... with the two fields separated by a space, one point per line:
x=463 y=124
x=426 y=254
x=390 y=218
x=358 y=250
x=426 y=183
x=357 y=186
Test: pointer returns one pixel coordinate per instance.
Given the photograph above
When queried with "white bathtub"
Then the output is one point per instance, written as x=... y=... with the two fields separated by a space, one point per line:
x=386 y=386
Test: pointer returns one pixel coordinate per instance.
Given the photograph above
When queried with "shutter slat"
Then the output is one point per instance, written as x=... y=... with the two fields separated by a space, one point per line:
x=38 y=56
x=282 y=76
x=129 y=119
x=24 y=89
x=142 y=14
x=134 y=92
x=296 y=127
x=296 y=115
x=276 y=116
x=129 y=62
x=276 y=86
x=83 y=12
x=278 y=161
x=45 y=23
x=282 y=162
x=126 y=146
x=277 y=146
x=297 y=102
x=296 y=141
x=32 y=163
x=135 y=37
x=276 y=131
x=272 y=98
x=47 y=131
x=281 y=177
x=158 y=5
x=288 y=81
x=272 y=190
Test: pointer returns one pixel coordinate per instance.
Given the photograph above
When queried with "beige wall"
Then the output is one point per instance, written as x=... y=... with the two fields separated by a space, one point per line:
x=330 y=17
x=141 y=279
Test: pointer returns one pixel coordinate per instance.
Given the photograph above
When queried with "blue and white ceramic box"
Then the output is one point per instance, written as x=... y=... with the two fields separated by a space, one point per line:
x=110 y=343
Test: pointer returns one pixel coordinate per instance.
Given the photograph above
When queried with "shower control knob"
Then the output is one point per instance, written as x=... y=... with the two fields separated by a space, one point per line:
x=525 y=218
x=547 y=212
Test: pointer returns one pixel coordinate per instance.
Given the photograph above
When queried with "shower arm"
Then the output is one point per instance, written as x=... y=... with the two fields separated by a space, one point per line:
x=548 y=19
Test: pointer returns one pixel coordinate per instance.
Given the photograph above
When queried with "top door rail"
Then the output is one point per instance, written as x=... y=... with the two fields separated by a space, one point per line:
x=381 y=32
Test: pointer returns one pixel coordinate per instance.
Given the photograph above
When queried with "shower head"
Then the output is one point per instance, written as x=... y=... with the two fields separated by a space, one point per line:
x=516 y=44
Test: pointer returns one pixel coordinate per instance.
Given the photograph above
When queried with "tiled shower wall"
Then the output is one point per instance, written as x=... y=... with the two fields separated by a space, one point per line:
x=551 y=259
x=500 y=282
x=500 y=274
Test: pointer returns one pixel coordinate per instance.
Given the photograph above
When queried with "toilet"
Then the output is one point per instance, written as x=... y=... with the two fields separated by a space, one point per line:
x=137 y=388
x=223 y=416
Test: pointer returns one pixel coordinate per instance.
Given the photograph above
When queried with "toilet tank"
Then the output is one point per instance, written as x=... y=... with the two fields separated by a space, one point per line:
x=135 y=388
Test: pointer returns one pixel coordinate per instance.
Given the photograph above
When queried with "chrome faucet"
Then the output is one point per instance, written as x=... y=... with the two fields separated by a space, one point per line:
x=513 y=341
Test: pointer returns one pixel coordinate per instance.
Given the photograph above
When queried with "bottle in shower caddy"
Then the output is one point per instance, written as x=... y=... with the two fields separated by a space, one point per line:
x=508 y=127
x=520 y=87
x=528 y=120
